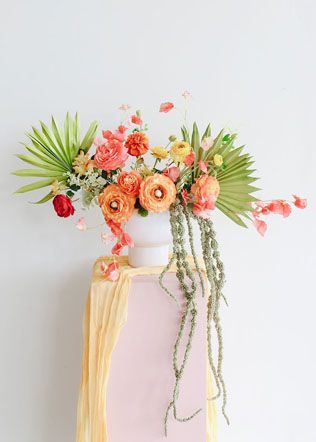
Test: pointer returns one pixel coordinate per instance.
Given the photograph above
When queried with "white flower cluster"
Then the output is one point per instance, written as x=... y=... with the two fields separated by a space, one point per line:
x=91 y=185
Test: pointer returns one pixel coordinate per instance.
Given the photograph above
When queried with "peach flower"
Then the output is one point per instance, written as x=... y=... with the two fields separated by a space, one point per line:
x=204 y=187
x=166 y=107
x=110 y=155
x=157 y=193
x=129 y=182
x=116 y=205
x=137 y=144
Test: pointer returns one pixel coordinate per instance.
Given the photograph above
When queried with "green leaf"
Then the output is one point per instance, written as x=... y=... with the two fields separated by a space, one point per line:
x=232 y=155
x=46 y=150
x=46 y=198
x=76 y=132
x=207 y=132
x=195 y=143
x=45 y=159
x=31 y=160
x=89 y=137
x=53 y=143
x=67 y=136
x=185 y=134
x=230 y=214
x=35 y=173
x=235 y=205
x=34 y=186
x=59 y=137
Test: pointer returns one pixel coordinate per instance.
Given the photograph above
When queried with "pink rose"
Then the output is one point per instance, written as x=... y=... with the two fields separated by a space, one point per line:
x=166 y=107
x=110 y=155
x=173 y=173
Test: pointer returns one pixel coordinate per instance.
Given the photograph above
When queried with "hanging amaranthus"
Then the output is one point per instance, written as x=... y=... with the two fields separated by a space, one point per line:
x=181 y=216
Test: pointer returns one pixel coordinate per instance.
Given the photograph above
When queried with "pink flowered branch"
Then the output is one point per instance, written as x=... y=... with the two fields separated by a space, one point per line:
x=277 y=207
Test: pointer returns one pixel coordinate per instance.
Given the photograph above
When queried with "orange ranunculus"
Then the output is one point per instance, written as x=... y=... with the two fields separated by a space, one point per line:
x=129 y=182
x=115 y=204
x=157 y=193
x=204 y=187
x=137 y=144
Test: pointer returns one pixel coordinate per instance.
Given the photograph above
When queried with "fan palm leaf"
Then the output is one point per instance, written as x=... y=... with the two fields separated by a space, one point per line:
x=52 y=151
x=235 y=177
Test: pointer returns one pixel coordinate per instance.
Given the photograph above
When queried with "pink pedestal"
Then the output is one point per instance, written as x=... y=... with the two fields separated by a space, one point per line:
x=141 y=378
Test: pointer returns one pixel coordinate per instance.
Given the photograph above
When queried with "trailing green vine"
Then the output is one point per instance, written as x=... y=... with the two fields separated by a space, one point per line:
x=181 y=218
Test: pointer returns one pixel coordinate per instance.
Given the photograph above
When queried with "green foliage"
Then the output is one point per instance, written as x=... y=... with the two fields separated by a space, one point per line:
x=52 y=151
x=234 y=176
x=142 y=212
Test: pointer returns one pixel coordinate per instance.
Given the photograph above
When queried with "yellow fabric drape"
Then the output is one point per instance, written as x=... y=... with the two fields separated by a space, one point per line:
x=103 y=319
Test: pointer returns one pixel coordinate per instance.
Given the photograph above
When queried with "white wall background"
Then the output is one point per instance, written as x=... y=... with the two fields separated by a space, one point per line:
x=251 y=66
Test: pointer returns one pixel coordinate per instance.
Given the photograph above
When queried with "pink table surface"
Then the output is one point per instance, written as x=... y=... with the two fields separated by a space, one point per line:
x=141 y=376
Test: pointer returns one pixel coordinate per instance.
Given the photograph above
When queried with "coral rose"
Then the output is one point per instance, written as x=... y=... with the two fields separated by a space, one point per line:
x=110 y=155
x=137 y=144
x=116 y=205
x=204 y=187
x=157 y=193
x=129 y=182
x=63 y=206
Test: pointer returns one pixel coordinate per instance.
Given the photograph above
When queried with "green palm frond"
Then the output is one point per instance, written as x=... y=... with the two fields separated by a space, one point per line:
x=52 y=151
x=235 y=176
x=235 y=179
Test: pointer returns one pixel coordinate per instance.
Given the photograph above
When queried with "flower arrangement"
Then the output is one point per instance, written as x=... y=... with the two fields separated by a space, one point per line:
x=190 y=176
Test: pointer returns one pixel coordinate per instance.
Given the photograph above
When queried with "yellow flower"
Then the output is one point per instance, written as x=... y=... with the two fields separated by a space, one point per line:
x=55 y=189
x=80 y=163
x=159 y=152
x=179 y=150
x=218 y=160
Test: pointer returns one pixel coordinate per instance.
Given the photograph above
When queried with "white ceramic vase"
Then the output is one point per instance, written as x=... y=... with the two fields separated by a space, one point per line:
x=152 y=236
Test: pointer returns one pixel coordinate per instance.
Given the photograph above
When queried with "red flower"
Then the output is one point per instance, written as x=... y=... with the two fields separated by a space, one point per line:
x=136 y=120
x=63 y=206
x=166 y=107
x=189 y=159
x=280 y=208
x=127 y=240
x=116 y=228
x=117 y=249
x=137 y=144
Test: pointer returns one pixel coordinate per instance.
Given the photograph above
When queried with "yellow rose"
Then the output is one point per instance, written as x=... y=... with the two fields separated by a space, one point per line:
x=218 y=160
x=159 y=152
x=179 y=150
